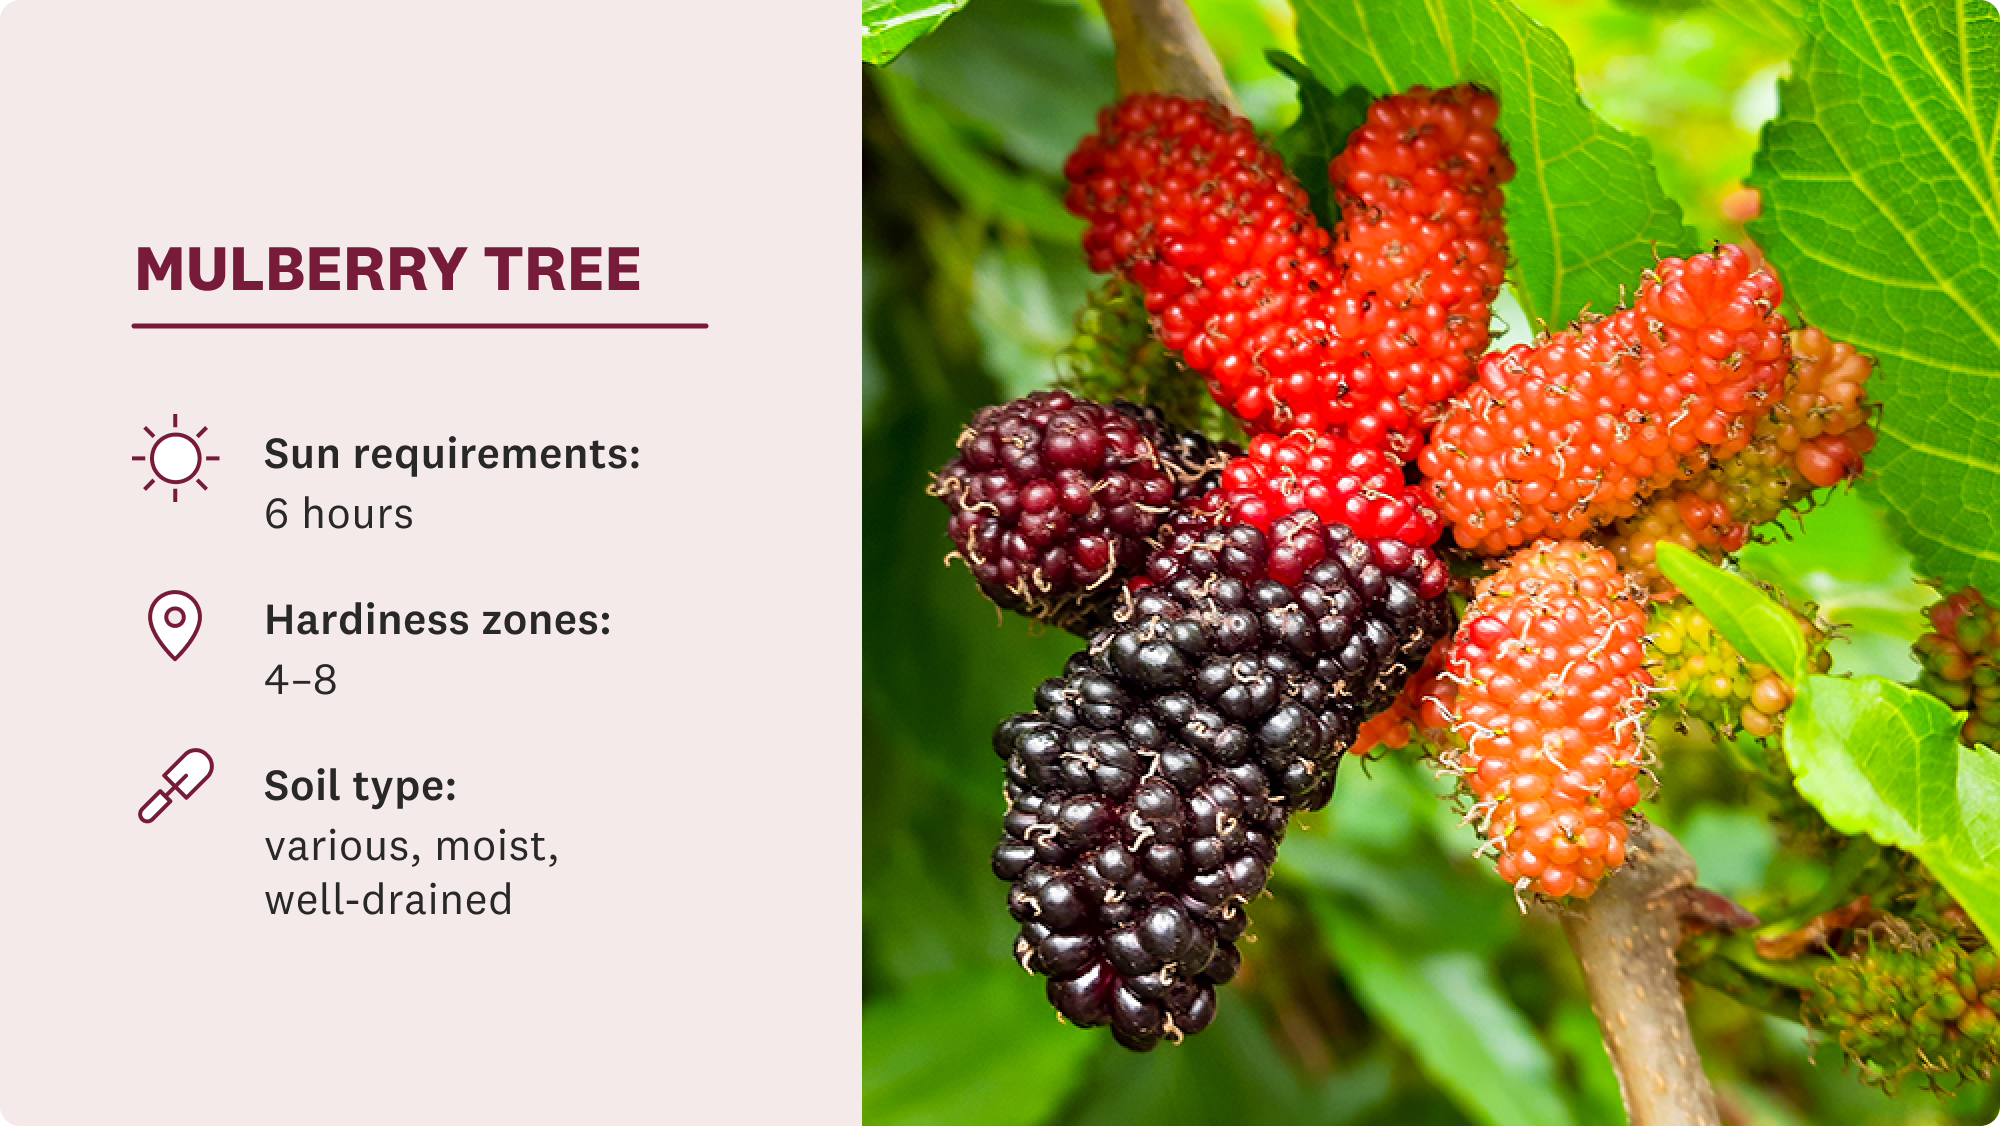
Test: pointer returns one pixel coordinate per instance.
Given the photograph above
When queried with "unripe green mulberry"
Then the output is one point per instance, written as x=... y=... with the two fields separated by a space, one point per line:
x=1699 y=675
x=1959 y=662
x=1911 y=1003
x=1116 y=356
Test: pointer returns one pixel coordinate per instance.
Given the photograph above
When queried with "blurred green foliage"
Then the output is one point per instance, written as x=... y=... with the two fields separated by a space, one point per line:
x=1393 y=978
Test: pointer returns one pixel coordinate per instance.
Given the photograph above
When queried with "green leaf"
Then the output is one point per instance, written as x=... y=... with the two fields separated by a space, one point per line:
x=1975 y=886
x=1585 y=213
x=983 y=1049
x=888 y=26
x=1881 y=189
x=1876 y=758
x=1310 y=143
x=1468 y=1036
x=1759 y=628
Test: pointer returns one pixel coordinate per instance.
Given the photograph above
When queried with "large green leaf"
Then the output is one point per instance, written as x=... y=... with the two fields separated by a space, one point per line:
x=1876 y=758
x=1585 y=213
x=1880 y=759
x=1881 y=187
x=888 y=26
x=1469 y=1037
x=1759 y=628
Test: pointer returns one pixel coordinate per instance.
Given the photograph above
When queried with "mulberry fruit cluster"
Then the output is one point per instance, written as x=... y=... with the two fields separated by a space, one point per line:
x=1549 y=708
x=1365 y=337
x=1706 y=679
x=1115 y=356
x=1960 y=659
x=1911 y=1003
x=1815 y=435
x=1254 y=614
x=1413 y=714
x=1558 y=437
x=1053 y=500
x=1183 y=200
x=1335 y=479
x=1151 y=785
x=1422 y=249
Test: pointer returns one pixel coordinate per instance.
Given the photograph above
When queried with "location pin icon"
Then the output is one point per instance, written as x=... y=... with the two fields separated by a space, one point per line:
x=175 y=618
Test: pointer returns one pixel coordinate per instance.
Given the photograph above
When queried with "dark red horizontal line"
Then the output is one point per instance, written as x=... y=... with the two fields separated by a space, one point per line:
x=416 y=324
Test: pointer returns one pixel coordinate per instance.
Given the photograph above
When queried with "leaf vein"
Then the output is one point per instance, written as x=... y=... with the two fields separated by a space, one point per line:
x=1833 y=142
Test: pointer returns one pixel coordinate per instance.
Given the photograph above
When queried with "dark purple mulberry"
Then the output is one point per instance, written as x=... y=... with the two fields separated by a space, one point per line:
x=1054 y=498
x=1151 y=785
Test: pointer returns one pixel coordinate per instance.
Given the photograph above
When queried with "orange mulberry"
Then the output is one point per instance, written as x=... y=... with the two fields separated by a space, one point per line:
x=1548 y=709
x=1815 y=435
x=1577 y=430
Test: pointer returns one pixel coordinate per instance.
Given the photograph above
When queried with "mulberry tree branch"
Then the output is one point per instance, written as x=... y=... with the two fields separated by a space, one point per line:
x=1624 y=938
x=1161 y=50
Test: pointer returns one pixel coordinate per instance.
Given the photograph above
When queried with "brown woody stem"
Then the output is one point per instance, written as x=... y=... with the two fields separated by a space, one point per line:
x=1162 y=51
x=1624 y=937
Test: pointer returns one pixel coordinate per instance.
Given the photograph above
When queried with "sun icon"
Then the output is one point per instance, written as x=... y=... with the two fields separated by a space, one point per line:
x=174 y=458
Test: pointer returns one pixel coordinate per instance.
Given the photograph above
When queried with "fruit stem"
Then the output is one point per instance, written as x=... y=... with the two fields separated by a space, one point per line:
x=1725 y=976
x=1796 y=974
x=1161 y=50
x=1624 y=937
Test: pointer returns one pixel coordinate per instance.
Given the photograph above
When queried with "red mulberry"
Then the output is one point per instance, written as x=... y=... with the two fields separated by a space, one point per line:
x=1815 y=435
x=1422 y=243
x=1337 y=480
